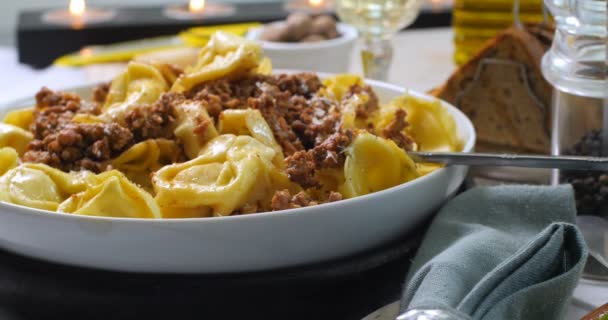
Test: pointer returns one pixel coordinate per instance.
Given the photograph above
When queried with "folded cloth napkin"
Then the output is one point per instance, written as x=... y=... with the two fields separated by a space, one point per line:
x=506 y=252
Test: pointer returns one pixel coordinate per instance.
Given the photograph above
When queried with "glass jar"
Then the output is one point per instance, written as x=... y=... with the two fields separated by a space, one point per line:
x=576 y=65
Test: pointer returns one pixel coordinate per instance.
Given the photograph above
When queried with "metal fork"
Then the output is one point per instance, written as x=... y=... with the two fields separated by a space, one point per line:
x=512 y=160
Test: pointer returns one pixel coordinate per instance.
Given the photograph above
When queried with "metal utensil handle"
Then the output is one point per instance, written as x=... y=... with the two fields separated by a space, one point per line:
x=511 y=160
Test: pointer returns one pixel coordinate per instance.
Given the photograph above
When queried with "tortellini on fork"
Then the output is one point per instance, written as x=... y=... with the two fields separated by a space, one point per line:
x=430 y=124
x=374 y=164
x=231 y=173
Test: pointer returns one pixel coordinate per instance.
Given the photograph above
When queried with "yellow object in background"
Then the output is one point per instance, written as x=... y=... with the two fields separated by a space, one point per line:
x=196 y=37
x=477 y=21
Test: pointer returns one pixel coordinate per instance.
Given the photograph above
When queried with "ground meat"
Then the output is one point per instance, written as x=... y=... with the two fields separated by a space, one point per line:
x=334 y=196
x=313 y=120
x=299 y=119
x=201 y=127
x=46 y=98
x=100 y=93
x=364 y=109
x=53 y=111
x=394 y=131
x=303 y=165
x=80 y=146
x=226 y=94
x=303 y=84
x=279 y=124
x=282 y=200
x=329 y=154
x=301 y=169
x=155 y=121
x=68 y=145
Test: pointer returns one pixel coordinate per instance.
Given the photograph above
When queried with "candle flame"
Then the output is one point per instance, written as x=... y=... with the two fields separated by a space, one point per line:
x=77 y=7
x=196 y=5
x=315 y=3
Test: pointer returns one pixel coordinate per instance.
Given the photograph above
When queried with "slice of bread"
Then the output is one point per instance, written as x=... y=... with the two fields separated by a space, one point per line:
x=504 y=93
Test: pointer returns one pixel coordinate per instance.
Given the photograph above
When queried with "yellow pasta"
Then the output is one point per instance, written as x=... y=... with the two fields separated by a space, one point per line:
x=234 y=163
x=430 y=125
x=40 y=186
x=111 y=194
x=349 y=109
x=194 y=127
x=146 y=157
x=374 y=164
x=168 y=71
x=230 y=173
x=21 y=118
x=265 y=67
x=338 y=85
x=9 y=158
x=140 y=84
x=250 y=122
x=225 y=55
x=14 y=137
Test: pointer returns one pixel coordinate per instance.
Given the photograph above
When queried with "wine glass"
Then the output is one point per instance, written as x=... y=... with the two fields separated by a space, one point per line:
x=377 y=22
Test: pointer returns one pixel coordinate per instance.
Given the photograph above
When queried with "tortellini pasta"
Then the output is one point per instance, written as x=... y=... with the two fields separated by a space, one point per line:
x=40 y=186
x=192 y=165
x=374 y=164
x=111 y=194
x=194 y=127
x=431 y=126
x=14 y=137
x=250 y=122
x=146 y=157
x=337 y=86
x=232 y=172
x=225 y=55
x=21 y=118
x=8 y=159
x=140 y=84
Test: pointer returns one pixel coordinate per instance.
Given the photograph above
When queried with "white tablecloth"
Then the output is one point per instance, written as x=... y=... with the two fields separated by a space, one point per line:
x=422 y=60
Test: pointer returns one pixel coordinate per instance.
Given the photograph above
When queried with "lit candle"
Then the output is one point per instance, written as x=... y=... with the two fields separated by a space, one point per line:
x=315 y=3
x=198 y=9
x=77 y=8
x=196 y=5
x=77 y=15
x=309 y=6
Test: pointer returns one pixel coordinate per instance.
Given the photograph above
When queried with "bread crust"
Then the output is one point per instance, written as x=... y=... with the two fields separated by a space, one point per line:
x=511 y=122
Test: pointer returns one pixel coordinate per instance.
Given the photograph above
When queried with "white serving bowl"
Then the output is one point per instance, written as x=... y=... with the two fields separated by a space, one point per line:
x=331 y=56
x=236 y=243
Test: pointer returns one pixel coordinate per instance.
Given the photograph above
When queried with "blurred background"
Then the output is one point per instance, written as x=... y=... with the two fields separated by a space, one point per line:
x=9 y=10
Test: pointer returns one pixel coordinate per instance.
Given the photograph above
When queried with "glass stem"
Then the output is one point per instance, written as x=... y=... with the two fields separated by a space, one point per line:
x=376 y=56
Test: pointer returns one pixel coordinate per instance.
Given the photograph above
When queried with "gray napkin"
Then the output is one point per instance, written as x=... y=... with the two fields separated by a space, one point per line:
x=506 y=252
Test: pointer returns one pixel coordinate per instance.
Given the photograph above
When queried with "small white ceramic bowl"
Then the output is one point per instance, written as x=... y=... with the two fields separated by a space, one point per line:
x=236 y=243
x=331 y=56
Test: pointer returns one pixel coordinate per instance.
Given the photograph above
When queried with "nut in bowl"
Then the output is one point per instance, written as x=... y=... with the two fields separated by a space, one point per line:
x=307 y=43
x=168 y=170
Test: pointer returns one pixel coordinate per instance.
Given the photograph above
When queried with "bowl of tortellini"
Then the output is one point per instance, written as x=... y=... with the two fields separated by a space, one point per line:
x=224 y=166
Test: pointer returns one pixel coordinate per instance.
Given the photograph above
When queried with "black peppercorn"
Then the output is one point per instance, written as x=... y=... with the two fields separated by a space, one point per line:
x=590 y=187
